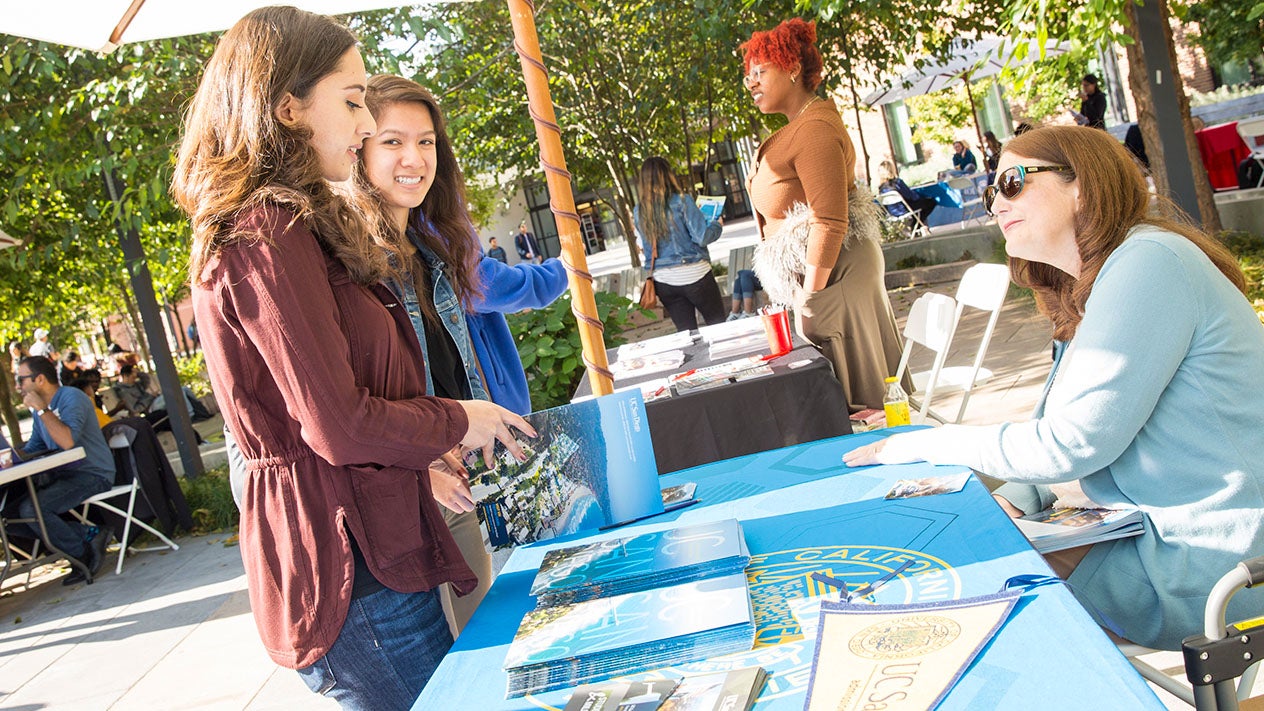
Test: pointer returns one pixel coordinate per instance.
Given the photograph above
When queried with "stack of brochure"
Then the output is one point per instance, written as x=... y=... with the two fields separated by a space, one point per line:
x=1058 y=529
x=671 y=342
x=582 y=642
x=637 y=366
x=731 y=329
x=618 y=566
x=747 y=343
x=734 y=690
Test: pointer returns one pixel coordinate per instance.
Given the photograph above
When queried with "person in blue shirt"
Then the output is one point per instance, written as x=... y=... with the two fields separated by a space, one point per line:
x=1156 y=398
x=674 y=235
x=963 y=161
x=455 y=295
x=64 y=419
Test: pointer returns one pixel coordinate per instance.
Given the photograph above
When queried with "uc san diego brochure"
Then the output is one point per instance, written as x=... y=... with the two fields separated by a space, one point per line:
x=591 y=465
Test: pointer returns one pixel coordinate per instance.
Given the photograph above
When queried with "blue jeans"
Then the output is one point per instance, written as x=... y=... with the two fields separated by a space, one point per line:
x=745 y=284
x=66 y=490
x=389 y=646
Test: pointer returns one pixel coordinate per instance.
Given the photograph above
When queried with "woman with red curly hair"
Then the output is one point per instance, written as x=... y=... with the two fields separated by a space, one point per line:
x=819 y=231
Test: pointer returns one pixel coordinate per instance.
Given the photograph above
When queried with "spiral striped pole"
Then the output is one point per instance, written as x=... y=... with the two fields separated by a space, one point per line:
x=561 y=200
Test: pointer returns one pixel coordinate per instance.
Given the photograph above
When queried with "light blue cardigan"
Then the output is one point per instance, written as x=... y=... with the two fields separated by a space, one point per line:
x=1161 y=408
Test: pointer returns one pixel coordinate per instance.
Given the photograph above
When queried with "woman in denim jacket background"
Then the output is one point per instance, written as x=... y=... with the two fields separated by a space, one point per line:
x=409 y=174
x=682 y=270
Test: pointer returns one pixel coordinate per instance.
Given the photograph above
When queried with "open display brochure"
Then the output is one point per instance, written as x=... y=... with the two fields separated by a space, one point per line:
x=1058 y=529
x=592 y=464
x=712 y=206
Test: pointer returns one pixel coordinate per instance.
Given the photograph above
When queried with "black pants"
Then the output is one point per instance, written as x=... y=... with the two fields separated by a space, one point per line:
x=680 y=302
x=924 y=205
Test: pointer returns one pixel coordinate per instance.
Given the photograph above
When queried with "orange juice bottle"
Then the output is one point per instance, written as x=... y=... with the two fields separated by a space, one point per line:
x=896 y=404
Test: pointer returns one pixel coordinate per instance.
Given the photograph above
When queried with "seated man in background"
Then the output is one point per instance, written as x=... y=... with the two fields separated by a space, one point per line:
x=64 y=419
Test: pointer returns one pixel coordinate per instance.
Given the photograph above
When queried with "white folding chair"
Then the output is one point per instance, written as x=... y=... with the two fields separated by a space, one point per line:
x=1252 y=132
x=982 y=287
x=930 y=324
x=122 y=438
x=971 y=198
x=910 y=220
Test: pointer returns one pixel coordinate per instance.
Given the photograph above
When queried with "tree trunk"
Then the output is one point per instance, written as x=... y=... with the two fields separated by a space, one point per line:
x=6 y=404
x=1139 y=70
x=855 y=103
x=623 y=209
x=139 y=333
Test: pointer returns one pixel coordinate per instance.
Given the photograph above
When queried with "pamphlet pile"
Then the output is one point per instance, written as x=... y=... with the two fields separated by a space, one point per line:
x=746 y=343
x=592 y=464
x=730 y=329
x=1058 y=529
x=631 y=564
x=636 y=366
x=720 y=374
x=599 y=613
x=734 y=690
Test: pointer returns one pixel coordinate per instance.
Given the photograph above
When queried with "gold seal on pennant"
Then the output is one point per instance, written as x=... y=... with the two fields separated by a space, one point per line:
x=910 y=636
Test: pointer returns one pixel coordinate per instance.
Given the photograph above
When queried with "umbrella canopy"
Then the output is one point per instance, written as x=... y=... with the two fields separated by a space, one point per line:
x=103 y=25
x=969 y=61
x=7 y=241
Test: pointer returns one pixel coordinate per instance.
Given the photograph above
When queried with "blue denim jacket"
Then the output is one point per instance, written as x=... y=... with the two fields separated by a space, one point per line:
x=688 y=239
x=450 y=311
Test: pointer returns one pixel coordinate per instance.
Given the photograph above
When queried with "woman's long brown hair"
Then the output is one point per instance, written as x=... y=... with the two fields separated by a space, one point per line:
x=1113 y=199
x=655 y=185
x=443 y=220
x=236 y=155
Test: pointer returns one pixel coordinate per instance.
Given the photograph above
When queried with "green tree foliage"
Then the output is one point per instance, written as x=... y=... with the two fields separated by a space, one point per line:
x=1228 y=30
x=66 y=116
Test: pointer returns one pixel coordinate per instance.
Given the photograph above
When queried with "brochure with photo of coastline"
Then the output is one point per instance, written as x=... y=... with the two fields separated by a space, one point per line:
x=1058 y=529
x=616 y=566
x=564 y=645
x=592 y=464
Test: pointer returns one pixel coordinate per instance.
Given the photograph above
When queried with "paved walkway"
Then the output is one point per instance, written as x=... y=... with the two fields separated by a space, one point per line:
x=175 y=631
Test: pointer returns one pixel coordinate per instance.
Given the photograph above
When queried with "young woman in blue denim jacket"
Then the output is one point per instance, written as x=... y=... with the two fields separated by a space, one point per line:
x=409 y=177
x=682 y=268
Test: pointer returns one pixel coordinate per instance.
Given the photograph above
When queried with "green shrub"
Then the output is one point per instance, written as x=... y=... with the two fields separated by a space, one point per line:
x=211 y=500
x=192 y=371
x=550 y=349
x=911 y=261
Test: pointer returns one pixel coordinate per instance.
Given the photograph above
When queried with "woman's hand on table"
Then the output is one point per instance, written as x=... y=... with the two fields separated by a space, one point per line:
x=879 y=453
x=490 y=422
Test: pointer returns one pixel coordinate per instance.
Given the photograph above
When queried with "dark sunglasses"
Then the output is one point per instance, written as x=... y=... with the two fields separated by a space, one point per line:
x=1010 y=182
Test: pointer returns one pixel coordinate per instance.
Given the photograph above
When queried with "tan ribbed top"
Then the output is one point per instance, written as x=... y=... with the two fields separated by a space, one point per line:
x=810 y=160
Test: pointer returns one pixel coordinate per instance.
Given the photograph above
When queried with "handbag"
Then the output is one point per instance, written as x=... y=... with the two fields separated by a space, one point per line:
x=649 y=299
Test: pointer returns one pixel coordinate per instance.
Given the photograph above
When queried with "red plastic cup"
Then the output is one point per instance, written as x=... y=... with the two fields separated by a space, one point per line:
x=777 y=329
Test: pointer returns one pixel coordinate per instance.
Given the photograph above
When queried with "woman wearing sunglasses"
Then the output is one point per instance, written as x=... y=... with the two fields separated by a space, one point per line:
x=1156 y=399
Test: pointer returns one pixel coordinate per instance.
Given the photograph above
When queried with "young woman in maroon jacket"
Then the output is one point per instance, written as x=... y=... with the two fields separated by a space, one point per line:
x=317 y=369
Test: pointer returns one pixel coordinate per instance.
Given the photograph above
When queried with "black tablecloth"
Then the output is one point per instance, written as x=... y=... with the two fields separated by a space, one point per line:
x=791 y=406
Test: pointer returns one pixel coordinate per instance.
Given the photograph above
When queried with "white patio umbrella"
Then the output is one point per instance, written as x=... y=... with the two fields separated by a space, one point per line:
x=969 y=61
x=103 y=25
x=7 y=241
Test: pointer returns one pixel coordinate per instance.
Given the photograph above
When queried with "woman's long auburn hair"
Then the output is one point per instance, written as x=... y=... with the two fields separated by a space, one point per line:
x=1113 y=199
x=236 y=155
x=442 y=221
x=655 y=185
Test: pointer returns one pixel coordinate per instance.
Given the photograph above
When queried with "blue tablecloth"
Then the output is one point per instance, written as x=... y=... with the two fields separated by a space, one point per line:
x=802 y=512
x=948 y=202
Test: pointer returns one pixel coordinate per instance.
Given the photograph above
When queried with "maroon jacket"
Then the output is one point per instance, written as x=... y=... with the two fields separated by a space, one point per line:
x=320 y=381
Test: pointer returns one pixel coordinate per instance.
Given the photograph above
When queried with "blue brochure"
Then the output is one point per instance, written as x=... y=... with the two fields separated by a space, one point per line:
x=591 y=465
x=632 y=563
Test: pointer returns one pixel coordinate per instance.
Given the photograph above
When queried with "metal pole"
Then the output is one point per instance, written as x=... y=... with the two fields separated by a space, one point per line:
x=561 y=199
x=1176 y=160
x=151 y=319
